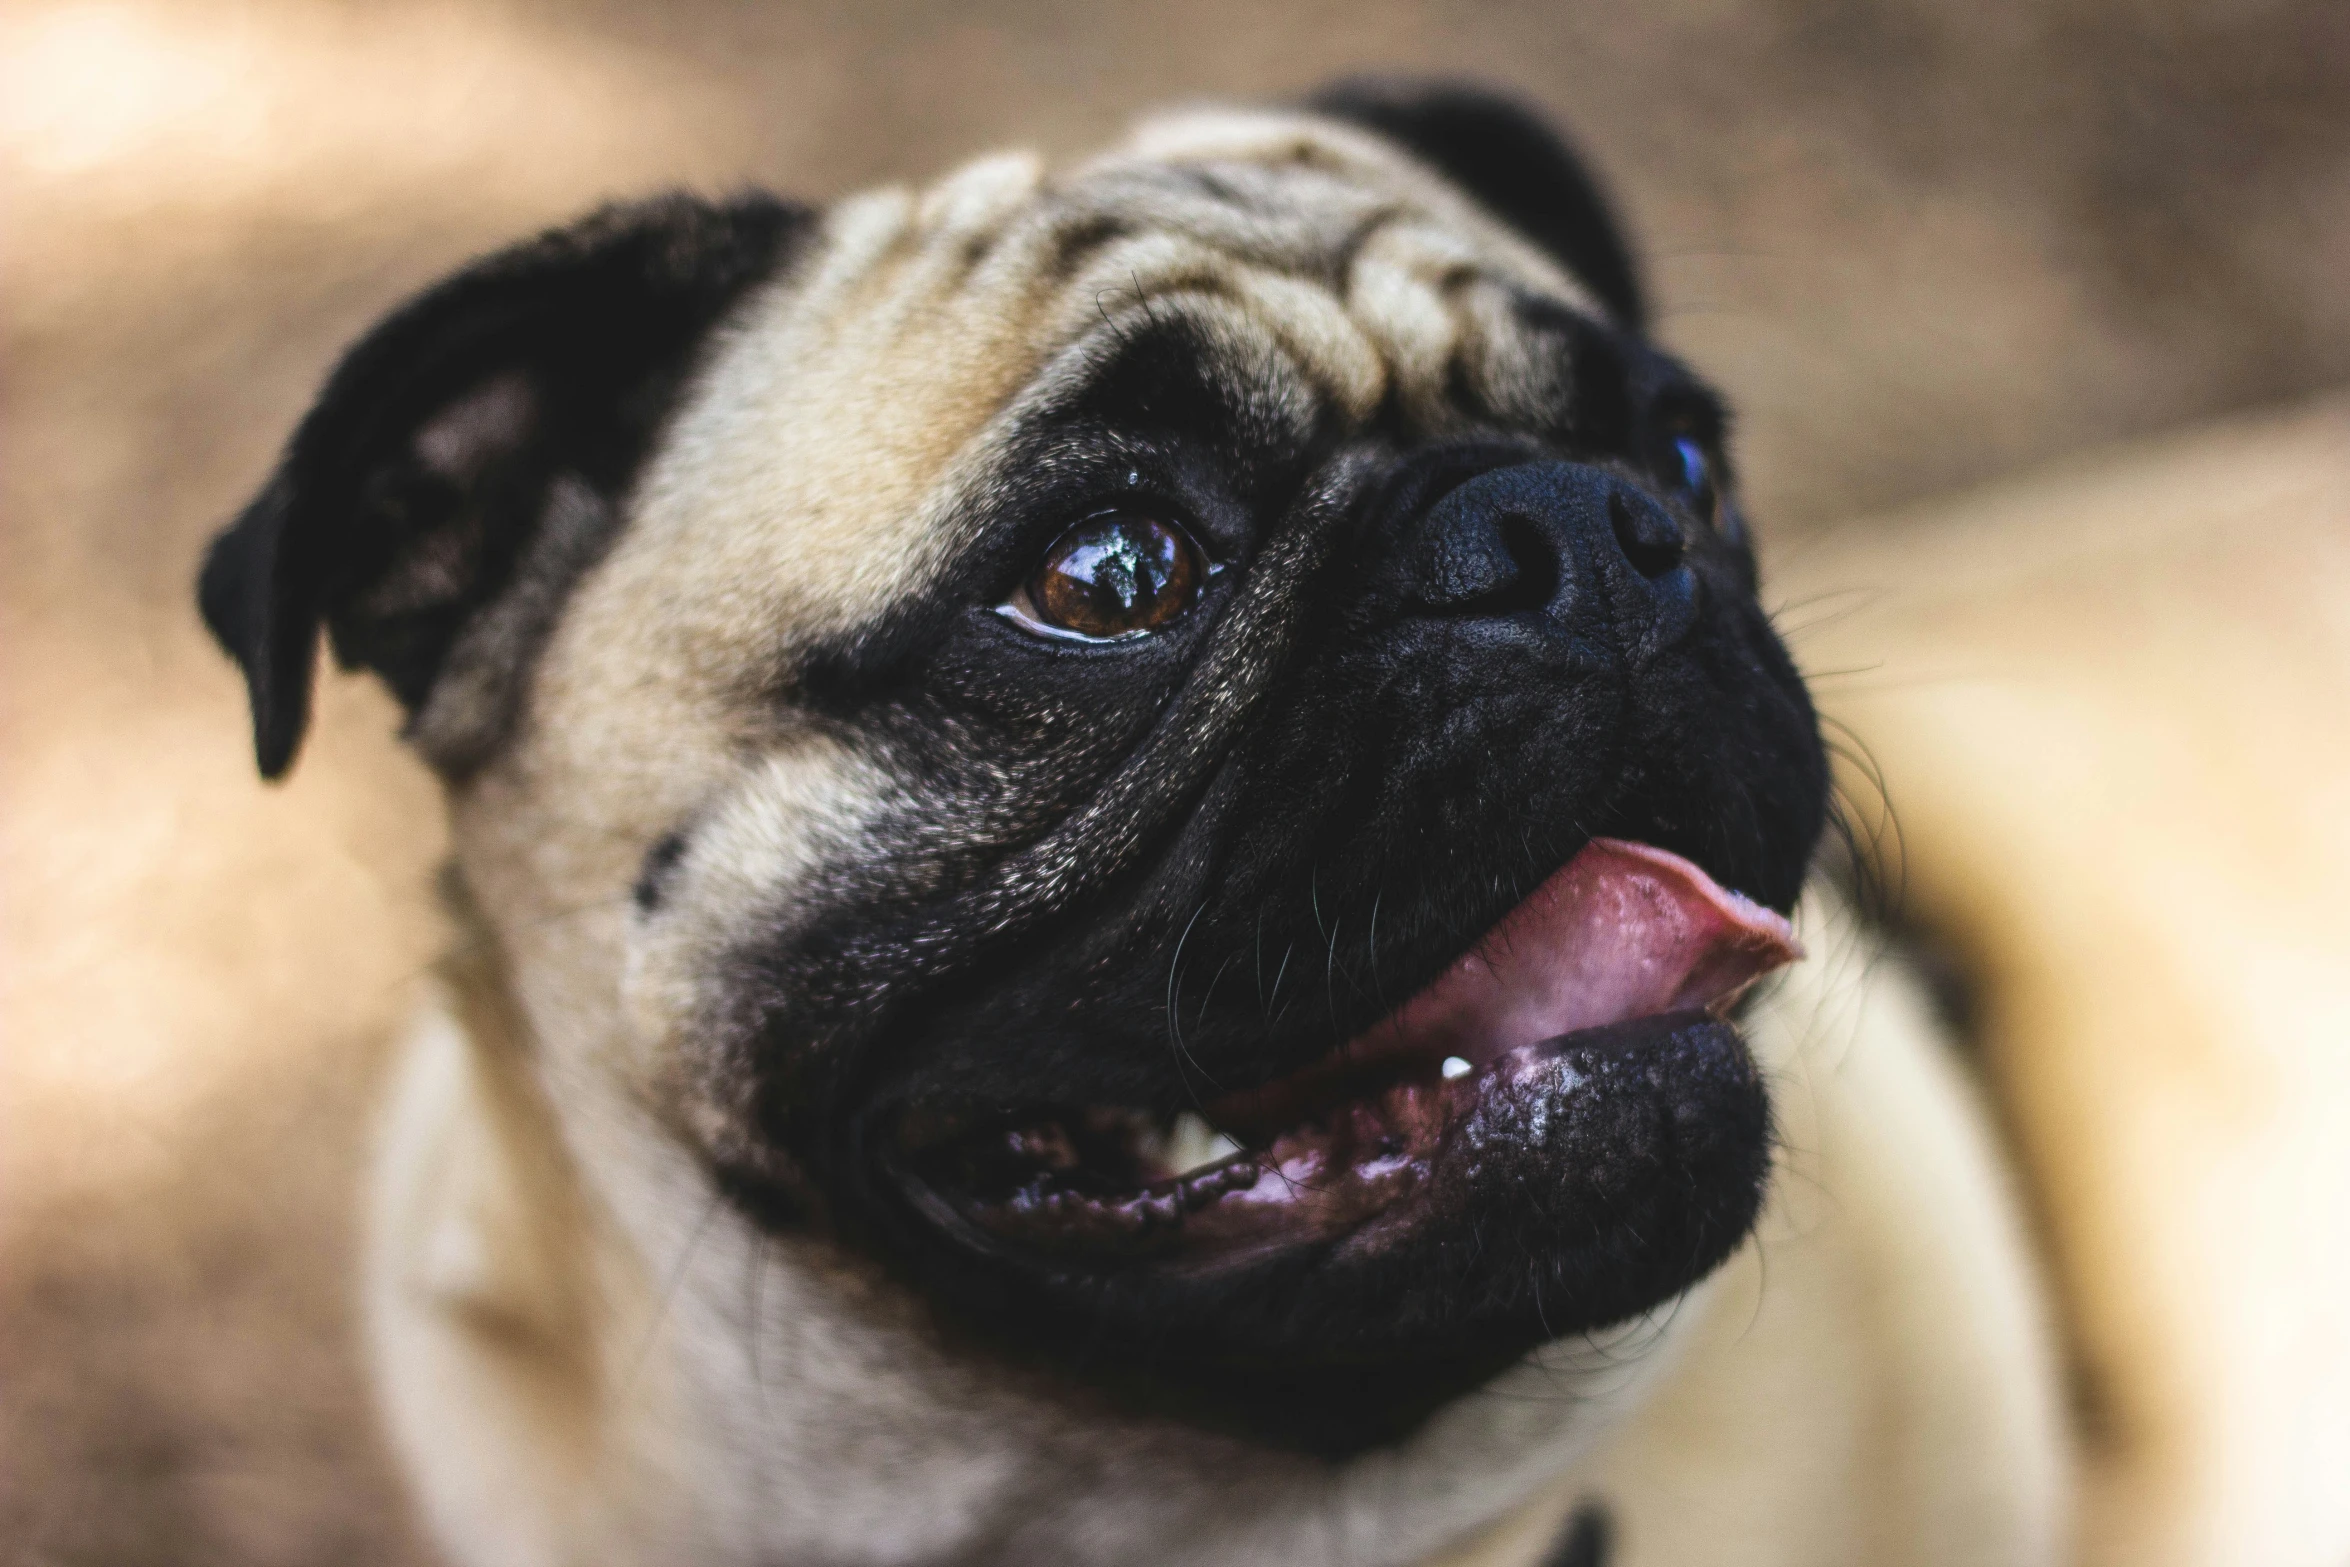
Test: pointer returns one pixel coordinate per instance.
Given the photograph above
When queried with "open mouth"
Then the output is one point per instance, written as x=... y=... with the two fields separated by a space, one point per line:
x=1573 y=1069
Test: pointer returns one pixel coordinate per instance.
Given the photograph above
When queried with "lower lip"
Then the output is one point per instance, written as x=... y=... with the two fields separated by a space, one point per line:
x=1345 y=1177
x=1568 y=1184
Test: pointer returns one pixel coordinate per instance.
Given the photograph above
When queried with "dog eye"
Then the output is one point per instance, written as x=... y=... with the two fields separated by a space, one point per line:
x=1117 y=574
x=1698 y=478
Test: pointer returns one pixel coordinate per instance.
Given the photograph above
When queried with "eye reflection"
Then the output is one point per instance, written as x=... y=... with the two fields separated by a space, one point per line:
x=1115 y=575
x=1697 y=475
x=1699 y=479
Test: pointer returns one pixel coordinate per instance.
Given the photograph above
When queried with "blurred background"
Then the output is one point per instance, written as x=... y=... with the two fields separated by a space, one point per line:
x=1919 y=244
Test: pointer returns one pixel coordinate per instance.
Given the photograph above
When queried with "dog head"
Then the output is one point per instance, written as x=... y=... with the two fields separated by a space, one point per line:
x=1178 y=758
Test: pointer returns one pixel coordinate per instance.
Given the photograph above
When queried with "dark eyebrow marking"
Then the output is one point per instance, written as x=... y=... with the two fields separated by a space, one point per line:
x=1212 y=184
x=977 y=247
x=1079 y=241
x=1170 y=373
x=1350 y=247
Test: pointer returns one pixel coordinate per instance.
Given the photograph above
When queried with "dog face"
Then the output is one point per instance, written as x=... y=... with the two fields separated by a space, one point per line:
x=1178 y=758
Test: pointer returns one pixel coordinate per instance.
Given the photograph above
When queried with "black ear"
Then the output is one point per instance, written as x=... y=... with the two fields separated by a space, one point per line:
x=1513 y=162
x=466 y=461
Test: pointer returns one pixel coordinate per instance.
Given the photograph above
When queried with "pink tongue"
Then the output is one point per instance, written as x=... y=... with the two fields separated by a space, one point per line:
x=1622 y=931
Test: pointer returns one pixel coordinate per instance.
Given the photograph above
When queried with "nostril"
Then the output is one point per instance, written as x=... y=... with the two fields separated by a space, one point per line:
x=1645 y=532
x=1487 y=562
x=1570 y=544
x=1536 y=557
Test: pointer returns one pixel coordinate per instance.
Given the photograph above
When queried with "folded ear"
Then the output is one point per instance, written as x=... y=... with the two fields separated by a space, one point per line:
x=1513 y=162
x=466 y=461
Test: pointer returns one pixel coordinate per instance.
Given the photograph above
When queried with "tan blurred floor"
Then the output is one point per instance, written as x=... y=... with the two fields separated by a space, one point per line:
x=1917 y=244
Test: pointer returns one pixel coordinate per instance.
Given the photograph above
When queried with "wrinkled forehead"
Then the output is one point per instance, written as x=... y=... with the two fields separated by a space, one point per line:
x=809 y=481
x=1240 y=202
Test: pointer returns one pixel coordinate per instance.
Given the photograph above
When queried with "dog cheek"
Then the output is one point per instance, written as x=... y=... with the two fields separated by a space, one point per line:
x=743 y=881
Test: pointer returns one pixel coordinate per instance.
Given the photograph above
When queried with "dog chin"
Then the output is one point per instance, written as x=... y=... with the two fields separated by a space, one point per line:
x=1560 y=1133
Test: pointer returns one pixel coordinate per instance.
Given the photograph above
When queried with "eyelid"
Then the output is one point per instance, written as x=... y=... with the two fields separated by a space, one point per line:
x=1020 y=612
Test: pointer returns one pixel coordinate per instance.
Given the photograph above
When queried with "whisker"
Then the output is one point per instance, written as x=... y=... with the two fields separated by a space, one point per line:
x=675 y=1282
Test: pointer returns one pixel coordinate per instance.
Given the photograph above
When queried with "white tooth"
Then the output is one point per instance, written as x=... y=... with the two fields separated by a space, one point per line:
x=1454 y=1066
x=1193 y=1144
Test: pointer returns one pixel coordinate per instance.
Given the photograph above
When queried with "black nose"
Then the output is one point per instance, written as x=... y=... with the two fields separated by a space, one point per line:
x=1579 y=546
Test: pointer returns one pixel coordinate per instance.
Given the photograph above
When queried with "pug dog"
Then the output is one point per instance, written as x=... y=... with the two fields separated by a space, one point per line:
x=1116 y=828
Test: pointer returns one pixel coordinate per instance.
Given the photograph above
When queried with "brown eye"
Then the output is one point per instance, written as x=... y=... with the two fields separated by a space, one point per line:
x=1118 y=574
